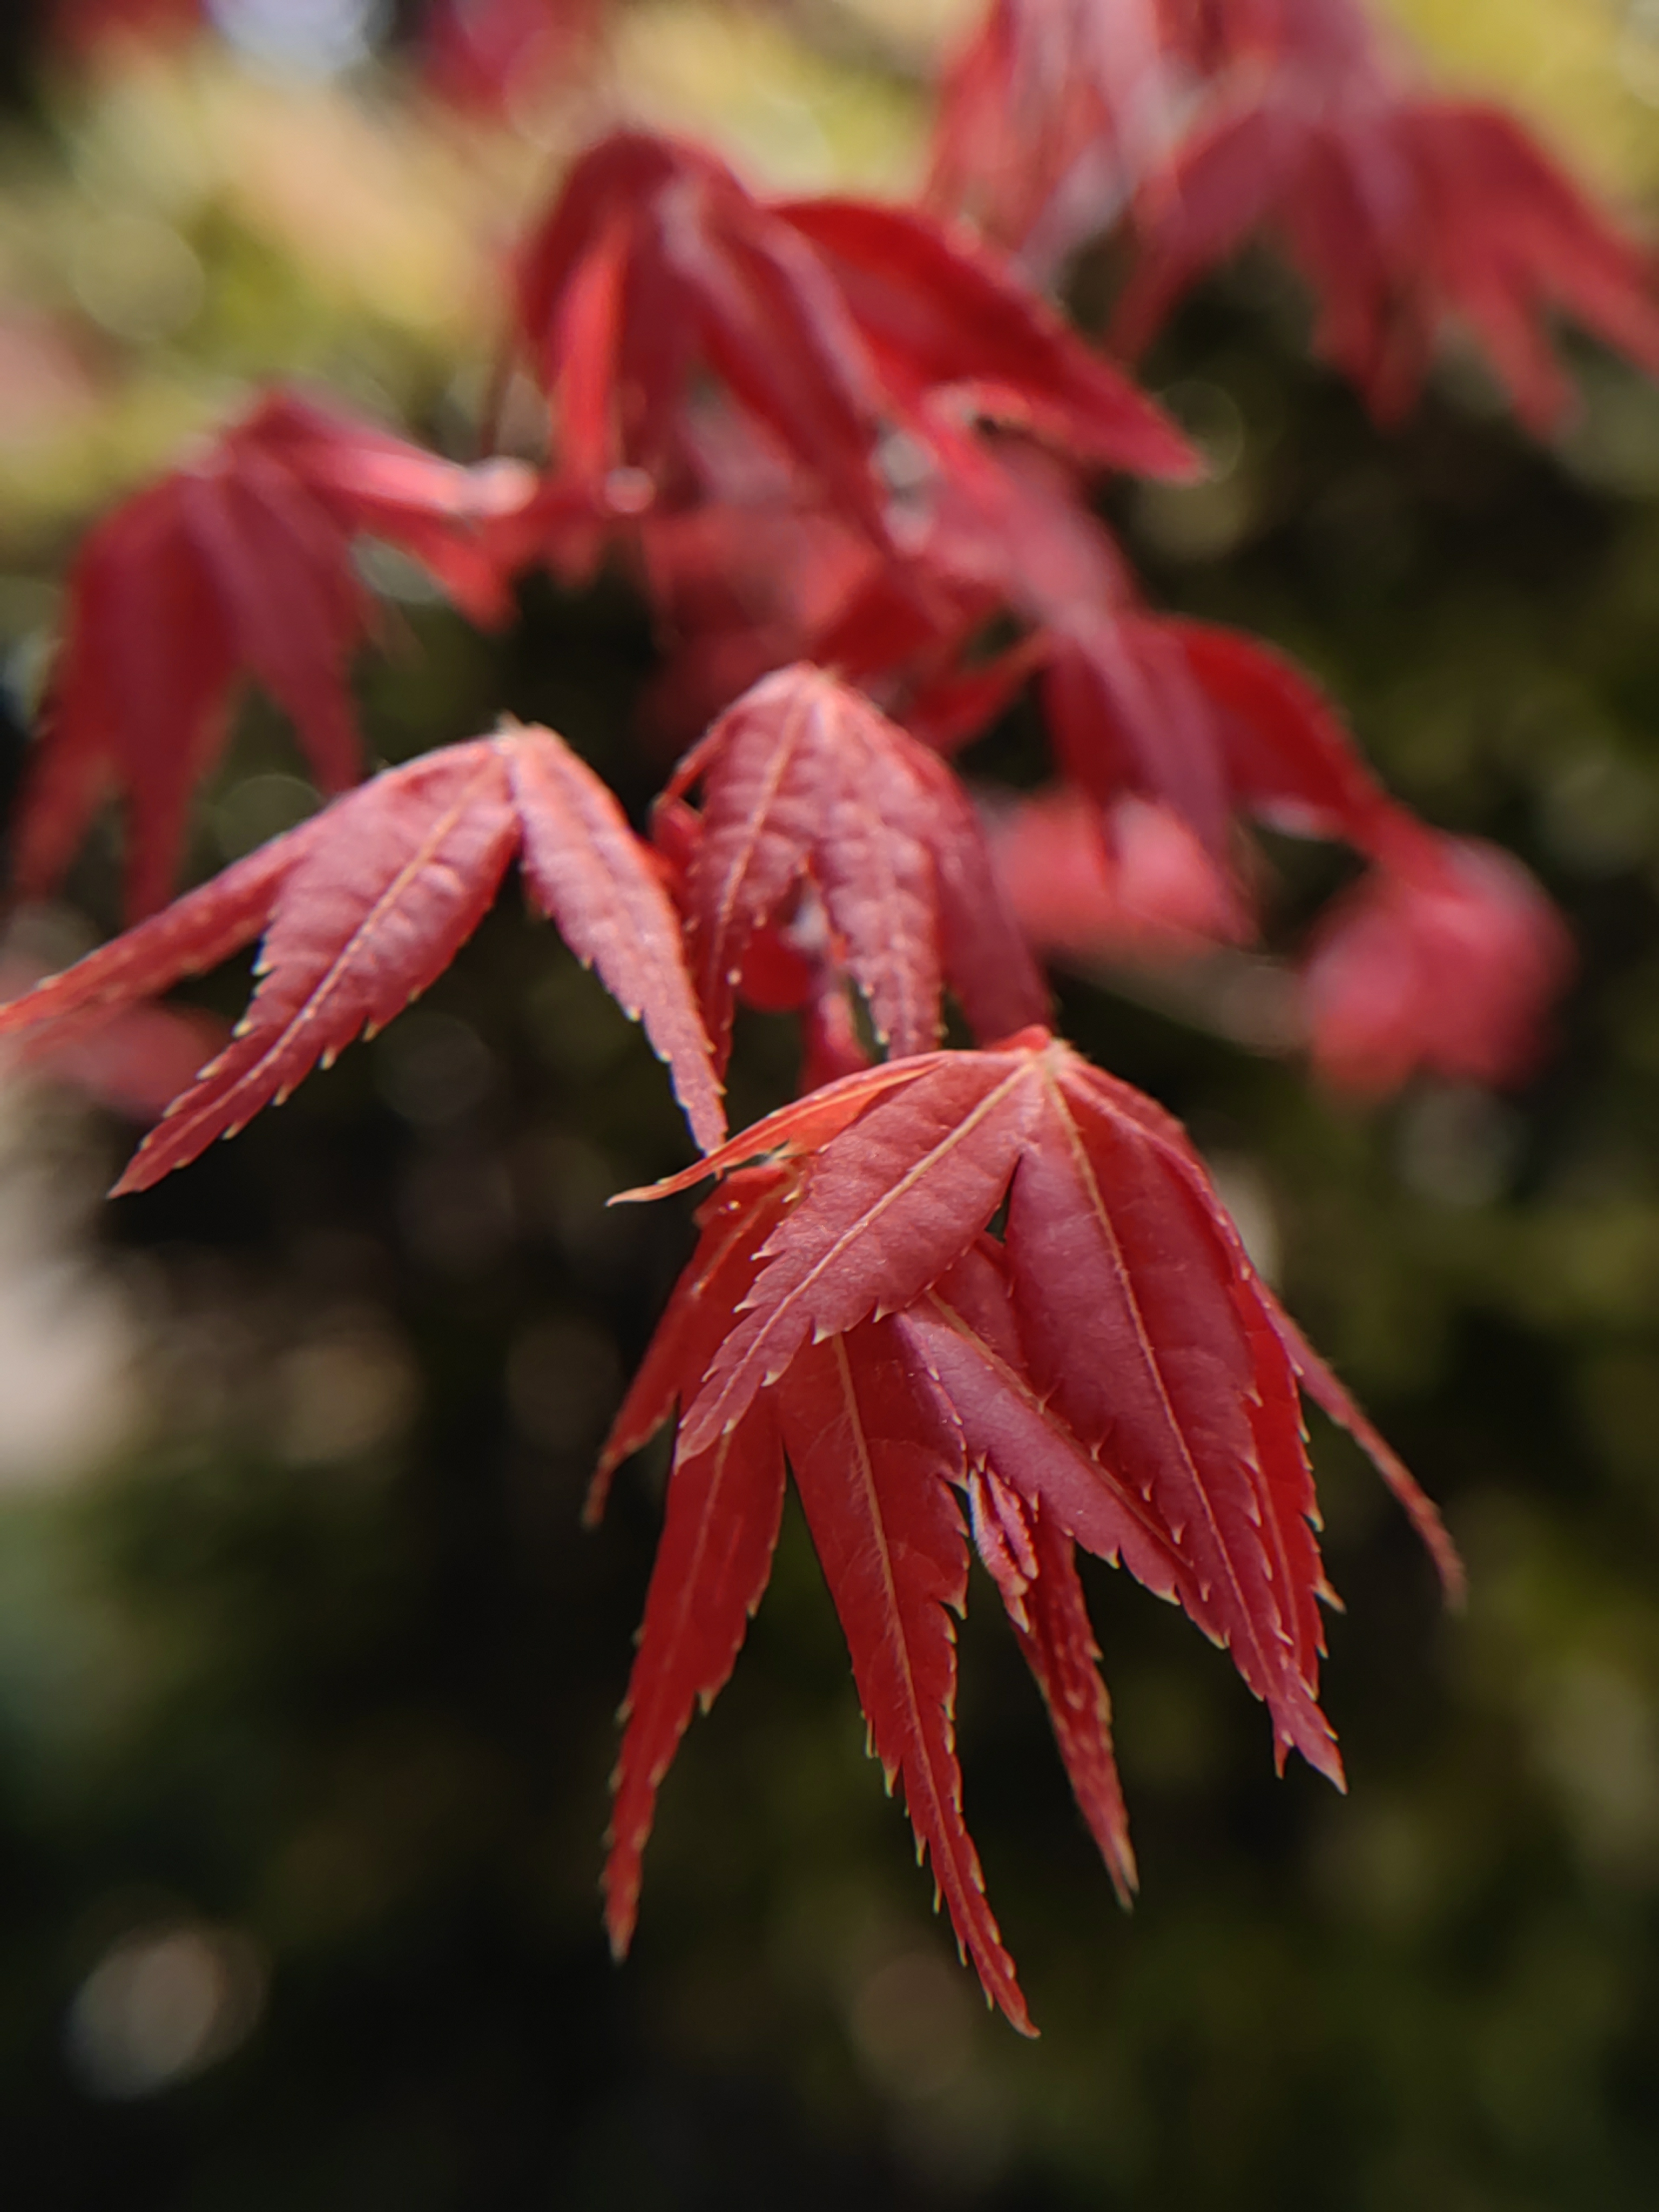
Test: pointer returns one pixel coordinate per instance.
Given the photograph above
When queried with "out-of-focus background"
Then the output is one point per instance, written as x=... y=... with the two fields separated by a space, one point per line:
x=308 y=1673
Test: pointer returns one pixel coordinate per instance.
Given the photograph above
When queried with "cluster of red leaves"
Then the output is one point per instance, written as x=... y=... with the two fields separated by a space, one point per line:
x=867 y=440
x=830 y=324
x=835 y=436
x=825 y=430
x=1223 y=119
x=1110 y=1371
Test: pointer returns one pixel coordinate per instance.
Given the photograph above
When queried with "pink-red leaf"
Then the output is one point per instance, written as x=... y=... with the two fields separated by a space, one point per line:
x=691 y=267
x=1032 y=1562
x=888 y=1529
x=1106 y=1243
x=878 y=1221
x=712 y=1565
x=936 y=308
x=804 y=777
x=1110 y=1371
x=376 y=906
x=585 y=870
x=236 y=566
x=1447 y=963
x=364 y=905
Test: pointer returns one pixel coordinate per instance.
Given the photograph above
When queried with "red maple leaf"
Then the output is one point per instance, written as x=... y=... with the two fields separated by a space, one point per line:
x=1404 y=213
x=654 y=261
x=825 y=322
x=361 y=907
x=1443 y=961
x=1111 y=1372
x=236 y=566
x=804 y=780
x=939 y=310
x=1051 y=112
x=1136 y=884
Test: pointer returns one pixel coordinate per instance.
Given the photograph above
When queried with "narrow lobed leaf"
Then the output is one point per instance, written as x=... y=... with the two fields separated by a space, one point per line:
x=888 y=1530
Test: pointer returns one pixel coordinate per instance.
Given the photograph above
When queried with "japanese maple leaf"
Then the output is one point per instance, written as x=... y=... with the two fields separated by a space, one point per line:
x=1405 y=215
x=1445 y=962
x=876 y=1469
x=360 y=908
x=804 y=778
x=236 y=566
x=1244 y=731
x=1135 y=884
x=825 y=322
x=1111 y=1372
x=938 y=309
x=654 y=261
x=1048 y=116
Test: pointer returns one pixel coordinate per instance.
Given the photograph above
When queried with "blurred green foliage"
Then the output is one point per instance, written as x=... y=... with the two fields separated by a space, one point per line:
x=306 y=1705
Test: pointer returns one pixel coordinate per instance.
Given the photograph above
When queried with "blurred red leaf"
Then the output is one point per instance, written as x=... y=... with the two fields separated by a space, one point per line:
x=827 y=322
x=1405 y=215
x=237 y=565
x=937 y=309
x=655 y=260
x=1048 y=116
x=1134 y=883
x=1447 y=965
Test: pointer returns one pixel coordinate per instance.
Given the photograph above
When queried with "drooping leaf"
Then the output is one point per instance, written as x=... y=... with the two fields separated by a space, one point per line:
x=1049 y=112
x=1132 y=884
x=235 y=566
x=1222 y=118
x=1108 y=1371
x=1404 y=213
x=936 y=308
x=1446 y=960
x=803 y=777
x=1140 y=1323
x=887 y=1526
x=713 y=1557
x=362 y=906
x=1033 y=1565
x=695 y=271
